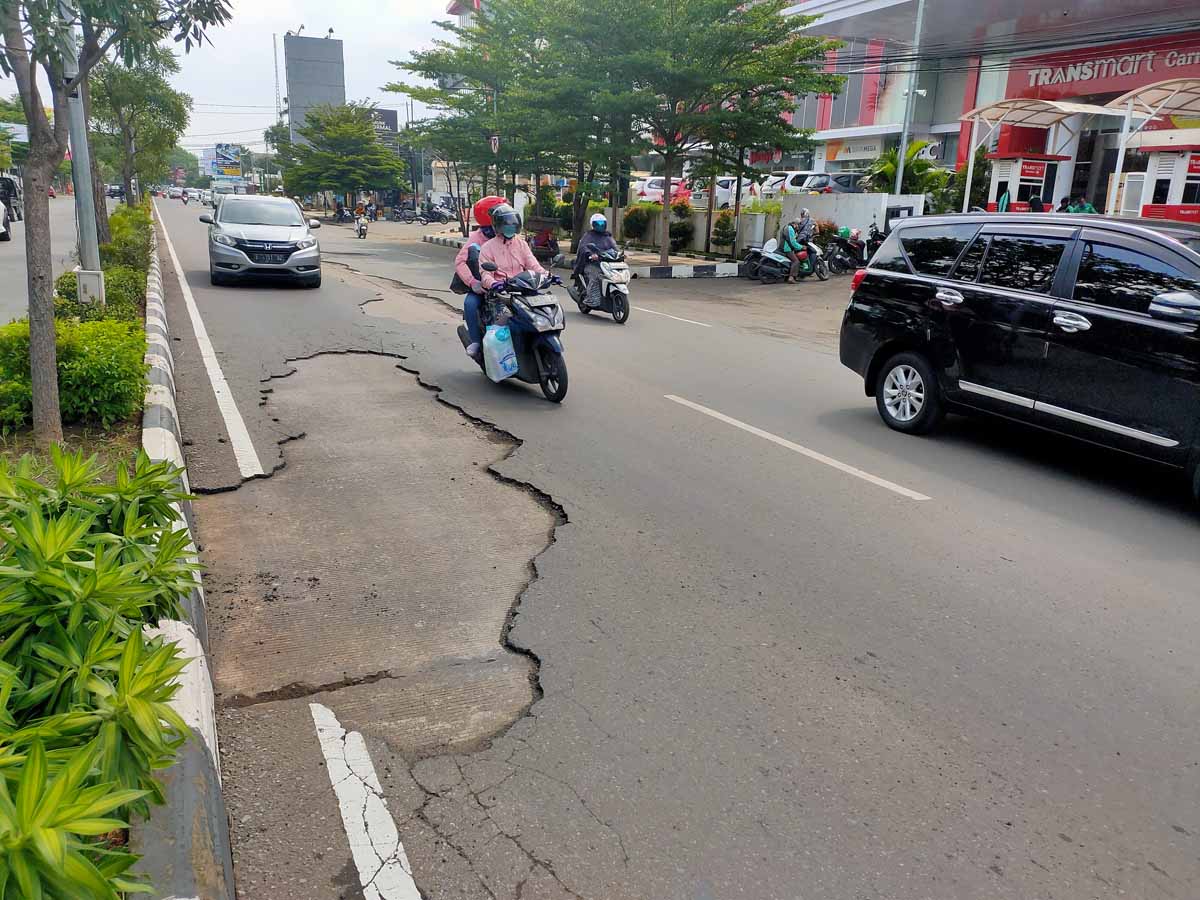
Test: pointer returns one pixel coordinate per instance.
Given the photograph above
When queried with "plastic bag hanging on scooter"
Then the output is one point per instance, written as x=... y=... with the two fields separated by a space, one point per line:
x=499 y=356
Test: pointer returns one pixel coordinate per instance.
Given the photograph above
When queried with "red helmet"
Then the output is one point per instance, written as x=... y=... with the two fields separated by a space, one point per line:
x=482 y=211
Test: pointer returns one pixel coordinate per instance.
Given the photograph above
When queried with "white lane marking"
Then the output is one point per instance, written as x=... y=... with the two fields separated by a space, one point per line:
x=383 y=867
x=803 y=451
x=655 y=312
x=239 y=438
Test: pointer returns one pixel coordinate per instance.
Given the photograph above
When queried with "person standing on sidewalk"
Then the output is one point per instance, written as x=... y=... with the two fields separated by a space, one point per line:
x=466 y=270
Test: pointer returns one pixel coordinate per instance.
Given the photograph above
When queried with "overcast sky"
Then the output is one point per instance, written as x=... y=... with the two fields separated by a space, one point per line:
x=232 y=82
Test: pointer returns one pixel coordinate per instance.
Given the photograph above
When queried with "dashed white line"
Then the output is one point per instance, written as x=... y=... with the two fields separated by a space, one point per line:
x=239 y=437
x=655 y=312
x=383 y=868
x=803 y=451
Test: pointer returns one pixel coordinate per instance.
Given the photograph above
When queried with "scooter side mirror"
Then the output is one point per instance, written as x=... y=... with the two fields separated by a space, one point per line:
x=489 y=267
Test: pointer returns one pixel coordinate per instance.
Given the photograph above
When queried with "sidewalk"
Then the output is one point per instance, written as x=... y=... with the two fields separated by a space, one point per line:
x=641 y=263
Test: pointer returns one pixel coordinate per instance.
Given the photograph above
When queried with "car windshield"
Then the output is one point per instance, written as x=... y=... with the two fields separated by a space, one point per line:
x=260 y=212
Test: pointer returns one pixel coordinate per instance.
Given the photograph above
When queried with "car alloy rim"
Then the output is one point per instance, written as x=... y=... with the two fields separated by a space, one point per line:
x=904 y=393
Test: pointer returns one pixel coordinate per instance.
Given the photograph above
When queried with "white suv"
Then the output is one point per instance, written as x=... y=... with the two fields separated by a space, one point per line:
x=780 y=183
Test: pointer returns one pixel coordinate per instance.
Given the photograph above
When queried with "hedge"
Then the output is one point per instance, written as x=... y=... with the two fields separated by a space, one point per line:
x=85 y=720
x=124 y=297
x=101 y=372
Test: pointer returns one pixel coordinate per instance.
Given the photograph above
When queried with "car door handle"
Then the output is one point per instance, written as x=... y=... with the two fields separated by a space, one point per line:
x=949 y=297
x=1071 y=322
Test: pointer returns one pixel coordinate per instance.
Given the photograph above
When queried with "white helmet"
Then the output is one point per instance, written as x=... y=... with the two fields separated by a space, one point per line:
x=598 y=222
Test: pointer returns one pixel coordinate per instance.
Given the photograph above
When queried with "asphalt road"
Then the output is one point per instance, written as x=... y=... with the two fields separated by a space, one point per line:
x=14 y=300
x=759 y=666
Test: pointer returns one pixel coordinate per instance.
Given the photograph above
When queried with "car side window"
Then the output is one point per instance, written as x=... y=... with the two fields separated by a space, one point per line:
x=798 y=180
x=968 y=264
x=889 y=258
x=933 y=249
x=1023 y=262
x=1121 y=278
x=843 y=180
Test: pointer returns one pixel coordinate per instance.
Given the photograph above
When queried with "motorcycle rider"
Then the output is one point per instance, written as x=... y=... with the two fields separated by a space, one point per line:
x=587 y=270
x=466 y=268
x=796 y=236
x=507 y=250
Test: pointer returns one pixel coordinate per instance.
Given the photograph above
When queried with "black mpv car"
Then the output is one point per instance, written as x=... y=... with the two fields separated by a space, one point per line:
x=1083 y=325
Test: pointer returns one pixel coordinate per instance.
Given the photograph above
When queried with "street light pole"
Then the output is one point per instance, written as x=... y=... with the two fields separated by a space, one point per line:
x=81 y=164
x=908 y=100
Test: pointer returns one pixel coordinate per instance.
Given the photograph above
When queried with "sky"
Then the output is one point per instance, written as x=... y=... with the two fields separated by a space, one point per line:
x=232 y=81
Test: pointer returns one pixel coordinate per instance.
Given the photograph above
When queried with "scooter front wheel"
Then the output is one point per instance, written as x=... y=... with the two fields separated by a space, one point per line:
x=620 y=308
x=554 y=377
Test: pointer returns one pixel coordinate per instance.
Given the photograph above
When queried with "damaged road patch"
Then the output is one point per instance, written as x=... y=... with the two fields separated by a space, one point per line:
x=374 y=575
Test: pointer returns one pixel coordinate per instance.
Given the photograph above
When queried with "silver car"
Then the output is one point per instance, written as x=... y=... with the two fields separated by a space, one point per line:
x=252 y=236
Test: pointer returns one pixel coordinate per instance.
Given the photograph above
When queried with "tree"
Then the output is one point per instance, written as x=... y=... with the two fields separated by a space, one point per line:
x=12 y=111
x=342 y=153
x=921 y=175
x=34 y=35
x=138 y=107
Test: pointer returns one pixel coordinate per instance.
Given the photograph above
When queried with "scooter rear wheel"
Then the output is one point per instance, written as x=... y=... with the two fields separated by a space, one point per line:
x=822 y=270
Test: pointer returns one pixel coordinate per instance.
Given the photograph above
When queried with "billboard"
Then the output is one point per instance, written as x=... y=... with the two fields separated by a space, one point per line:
x=316 y=76
x=180 y=176
x=227 y=160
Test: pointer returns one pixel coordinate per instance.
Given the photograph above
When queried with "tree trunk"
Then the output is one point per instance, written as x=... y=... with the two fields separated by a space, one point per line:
x=712 y=202
x=737 y=203
x=664 y=235
x=614 y=190
x=99 y=194
x=43 y=361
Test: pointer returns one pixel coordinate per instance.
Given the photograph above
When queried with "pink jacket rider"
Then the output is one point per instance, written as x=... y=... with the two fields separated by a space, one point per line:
x=462 y=267
x=511 y=256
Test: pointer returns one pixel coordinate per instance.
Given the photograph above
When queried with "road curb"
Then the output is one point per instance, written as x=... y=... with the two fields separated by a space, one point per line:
x=702 y=270
x=185 y=843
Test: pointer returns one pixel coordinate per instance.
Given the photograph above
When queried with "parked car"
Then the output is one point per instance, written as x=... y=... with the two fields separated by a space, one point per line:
x=651 y=189
x=115 y=191
x=174 y=192
x=5 y=223
x=1089 y=327
x=835 y=183
x=779 y=183
x=252 y=235
x=206 y=197
x=726 y=192
x=13 y=196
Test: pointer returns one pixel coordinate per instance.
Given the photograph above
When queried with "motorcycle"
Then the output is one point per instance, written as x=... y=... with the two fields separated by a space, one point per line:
x=535 y=320
x=614 y=287
x=845 y=252
x=360 y=227
x=774 y=266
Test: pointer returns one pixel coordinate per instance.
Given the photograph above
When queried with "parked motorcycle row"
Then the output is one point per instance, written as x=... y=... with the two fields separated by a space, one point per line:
x=844 y=252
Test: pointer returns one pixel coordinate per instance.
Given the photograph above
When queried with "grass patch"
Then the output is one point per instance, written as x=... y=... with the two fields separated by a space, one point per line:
x=113 y=448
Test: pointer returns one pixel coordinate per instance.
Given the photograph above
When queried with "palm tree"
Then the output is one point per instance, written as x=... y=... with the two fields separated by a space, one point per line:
x=921 y=176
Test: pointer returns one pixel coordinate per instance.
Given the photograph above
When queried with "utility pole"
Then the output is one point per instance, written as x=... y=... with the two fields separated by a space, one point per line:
x=81 y=164
x=912 y=91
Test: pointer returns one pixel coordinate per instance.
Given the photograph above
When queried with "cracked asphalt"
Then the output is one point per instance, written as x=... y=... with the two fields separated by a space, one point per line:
x=703 y=666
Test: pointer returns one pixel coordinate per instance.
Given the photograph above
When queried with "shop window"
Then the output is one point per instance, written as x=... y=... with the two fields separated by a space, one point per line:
x=1191 y=191
x=1162 y=190
x=968 y=265
x=1022 y=263
x=1125 y=279
x=933 y=249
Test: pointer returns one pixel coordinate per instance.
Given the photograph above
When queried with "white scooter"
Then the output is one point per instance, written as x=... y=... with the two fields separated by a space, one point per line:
x=360 y=227
x=614 y=287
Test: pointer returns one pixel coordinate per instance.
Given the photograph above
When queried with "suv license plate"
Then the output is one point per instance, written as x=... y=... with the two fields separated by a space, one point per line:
x=273 y=259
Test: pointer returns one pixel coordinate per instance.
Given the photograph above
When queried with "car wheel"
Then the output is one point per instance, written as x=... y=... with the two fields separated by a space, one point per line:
x=313 y=283
x=907 y=394
x=216 y=279
x=1196 y=481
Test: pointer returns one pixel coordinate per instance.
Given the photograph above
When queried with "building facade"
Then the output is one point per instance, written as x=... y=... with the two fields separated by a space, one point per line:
x=972 y=54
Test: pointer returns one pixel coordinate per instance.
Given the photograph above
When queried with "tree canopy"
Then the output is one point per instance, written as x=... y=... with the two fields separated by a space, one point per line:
x=340 y=152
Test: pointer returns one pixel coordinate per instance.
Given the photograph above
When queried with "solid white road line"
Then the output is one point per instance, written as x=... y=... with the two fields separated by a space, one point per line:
x=803 y=451
x=239 y=438
x=383 y=867
x=655 y=312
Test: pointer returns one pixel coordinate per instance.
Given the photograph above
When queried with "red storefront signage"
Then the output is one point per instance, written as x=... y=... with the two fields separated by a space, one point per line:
x=1194 y=164
x=1179 y=213
x=1110 y=68
x=1034 y=171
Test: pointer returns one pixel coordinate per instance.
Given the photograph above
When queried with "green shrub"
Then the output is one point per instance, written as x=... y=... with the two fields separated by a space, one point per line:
x=85 y=719
x=566 y=216
x=769 y=207
x=636 y=221
x=723 y=233
x=130 y=227
x=681 y=208
x=124 y=296
x=681 y=233
x=101 y=372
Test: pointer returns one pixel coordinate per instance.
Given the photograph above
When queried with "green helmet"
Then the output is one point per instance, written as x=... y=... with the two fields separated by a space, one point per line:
x=844 y=232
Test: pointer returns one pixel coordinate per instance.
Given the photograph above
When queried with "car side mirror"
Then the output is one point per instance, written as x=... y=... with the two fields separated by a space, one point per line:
x=1176 y=306
x=489 y=266
x=206 y=219
x=313 y=223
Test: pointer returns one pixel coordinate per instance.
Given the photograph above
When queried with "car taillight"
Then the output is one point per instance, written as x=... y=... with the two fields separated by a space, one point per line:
x=857 y=279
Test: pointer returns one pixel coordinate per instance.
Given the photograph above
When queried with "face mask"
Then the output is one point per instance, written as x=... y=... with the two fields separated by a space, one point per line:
x=509 y=231
x=599 y=226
